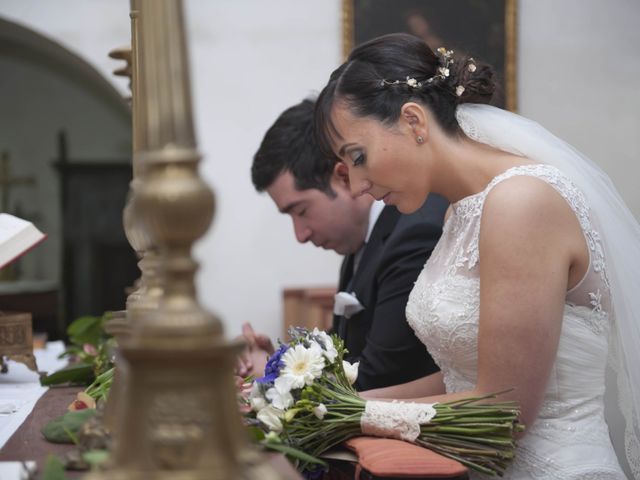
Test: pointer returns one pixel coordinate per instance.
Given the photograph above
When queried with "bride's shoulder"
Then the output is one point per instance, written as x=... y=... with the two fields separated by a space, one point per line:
x=527 y=205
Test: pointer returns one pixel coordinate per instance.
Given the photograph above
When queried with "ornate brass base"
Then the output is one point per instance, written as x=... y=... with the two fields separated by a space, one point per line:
x=179 y=415
x=16 y=340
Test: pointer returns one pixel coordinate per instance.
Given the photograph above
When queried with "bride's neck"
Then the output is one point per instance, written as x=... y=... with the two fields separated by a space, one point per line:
x=465 y=167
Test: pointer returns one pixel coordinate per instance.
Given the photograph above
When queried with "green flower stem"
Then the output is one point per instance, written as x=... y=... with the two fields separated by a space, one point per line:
x=478 y=436
x=100 y=387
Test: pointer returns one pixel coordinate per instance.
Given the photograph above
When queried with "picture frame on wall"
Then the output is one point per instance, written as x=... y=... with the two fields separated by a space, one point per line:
x=483 y=29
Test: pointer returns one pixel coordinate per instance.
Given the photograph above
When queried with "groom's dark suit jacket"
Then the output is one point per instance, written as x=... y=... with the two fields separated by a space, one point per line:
x=379 y=337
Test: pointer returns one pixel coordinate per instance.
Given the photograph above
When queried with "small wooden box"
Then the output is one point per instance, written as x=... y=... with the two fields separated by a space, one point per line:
x=16 y=339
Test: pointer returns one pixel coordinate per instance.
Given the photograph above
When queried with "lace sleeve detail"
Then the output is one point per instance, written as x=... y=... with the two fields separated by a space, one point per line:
x=572 y=195
x=396 y=419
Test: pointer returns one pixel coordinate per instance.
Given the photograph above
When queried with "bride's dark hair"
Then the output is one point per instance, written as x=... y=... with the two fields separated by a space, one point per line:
x=366 y=82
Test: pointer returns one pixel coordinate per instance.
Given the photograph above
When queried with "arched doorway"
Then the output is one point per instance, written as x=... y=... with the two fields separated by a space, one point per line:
x=65 y=129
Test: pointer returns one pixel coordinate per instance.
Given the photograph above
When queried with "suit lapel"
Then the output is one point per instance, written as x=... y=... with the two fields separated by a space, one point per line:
x=383 y=228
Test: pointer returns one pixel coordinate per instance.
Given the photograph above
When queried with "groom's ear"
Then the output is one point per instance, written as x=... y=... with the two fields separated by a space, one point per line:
x=340 y=175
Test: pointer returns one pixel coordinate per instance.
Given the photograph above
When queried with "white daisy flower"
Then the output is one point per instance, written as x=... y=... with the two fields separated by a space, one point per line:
x=302 y=365
x=351 y=371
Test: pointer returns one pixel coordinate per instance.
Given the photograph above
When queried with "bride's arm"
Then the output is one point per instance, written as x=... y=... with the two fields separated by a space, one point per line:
x=421 y=387
x=530 y=240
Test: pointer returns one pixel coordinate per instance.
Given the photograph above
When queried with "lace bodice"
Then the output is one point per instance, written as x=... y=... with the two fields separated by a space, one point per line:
x=569 y=439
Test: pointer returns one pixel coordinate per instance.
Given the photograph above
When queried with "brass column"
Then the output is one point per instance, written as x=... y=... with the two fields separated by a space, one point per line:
x=177 y=416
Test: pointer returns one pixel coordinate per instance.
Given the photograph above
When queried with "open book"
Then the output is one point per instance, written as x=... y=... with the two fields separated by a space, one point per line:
x=17 y=236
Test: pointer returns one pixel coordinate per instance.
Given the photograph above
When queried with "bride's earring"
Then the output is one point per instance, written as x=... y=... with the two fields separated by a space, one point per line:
x=419 y=139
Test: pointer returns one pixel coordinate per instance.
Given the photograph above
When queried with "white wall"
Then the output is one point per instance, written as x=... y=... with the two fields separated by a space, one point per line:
x=251 y=59
x=89 y=28
x=579 y=75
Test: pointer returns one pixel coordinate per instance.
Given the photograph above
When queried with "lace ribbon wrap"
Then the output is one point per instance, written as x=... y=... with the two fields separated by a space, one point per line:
x=396 y=419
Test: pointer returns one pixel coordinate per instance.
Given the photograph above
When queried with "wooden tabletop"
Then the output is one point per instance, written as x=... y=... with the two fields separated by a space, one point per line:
x=27 y=443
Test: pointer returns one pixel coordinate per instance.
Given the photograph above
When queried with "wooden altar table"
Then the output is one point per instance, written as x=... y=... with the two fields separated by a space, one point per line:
x=27 y=443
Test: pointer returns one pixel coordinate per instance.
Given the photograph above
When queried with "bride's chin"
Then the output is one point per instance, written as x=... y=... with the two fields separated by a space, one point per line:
x=406 y=211
x=406 y=208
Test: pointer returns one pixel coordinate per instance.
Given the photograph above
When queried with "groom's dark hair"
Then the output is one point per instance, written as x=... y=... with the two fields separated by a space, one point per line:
x=290 y=146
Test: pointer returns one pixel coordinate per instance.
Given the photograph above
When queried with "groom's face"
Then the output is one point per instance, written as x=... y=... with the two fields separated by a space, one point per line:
x=336 y=223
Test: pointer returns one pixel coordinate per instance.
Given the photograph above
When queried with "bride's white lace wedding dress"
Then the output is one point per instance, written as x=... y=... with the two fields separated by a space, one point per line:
x=569 y=439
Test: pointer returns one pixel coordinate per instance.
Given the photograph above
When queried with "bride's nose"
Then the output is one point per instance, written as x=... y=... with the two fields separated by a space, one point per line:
x=360 y=187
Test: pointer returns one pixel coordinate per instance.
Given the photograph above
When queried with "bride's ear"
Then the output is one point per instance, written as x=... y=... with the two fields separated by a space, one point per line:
x=341 y=175
x=415 y=118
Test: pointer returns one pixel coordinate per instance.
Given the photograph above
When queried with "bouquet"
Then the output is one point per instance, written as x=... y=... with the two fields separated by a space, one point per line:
x=306 y=403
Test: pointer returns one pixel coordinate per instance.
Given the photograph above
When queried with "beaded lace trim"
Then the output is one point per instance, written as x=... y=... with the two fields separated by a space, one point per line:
x=472 y=206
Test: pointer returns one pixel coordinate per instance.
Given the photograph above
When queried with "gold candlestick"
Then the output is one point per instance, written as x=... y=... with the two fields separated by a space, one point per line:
x=178 y=415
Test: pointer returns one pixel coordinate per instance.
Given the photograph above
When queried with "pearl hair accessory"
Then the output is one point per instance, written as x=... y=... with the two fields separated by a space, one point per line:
x=471 y=66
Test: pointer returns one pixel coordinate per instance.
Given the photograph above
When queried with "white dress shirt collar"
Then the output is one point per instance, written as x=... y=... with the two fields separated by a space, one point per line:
x=374 y=213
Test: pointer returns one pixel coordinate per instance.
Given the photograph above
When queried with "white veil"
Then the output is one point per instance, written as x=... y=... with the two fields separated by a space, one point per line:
x=620 y=235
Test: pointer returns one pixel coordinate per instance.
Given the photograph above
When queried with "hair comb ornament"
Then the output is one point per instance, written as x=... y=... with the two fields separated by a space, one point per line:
x=446 y=59
x=442 y=73
x=410 y=81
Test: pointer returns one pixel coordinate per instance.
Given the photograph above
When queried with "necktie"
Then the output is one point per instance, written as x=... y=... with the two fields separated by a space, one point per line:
x=356 y=262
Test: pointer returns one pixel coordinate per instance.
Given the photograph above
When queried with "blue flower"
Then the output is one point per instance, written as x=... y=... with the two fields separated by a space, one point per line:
x=315 y=474
x=274 y=365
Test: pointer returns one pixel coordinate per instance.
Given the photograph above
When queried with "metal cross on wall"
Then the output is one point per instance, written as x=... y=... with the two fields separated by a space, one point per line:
x=7 y=182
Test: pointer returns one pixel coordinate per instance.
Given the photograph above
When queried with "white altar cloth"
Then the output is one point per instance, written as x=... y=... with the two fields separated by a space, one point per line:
x=20 y=388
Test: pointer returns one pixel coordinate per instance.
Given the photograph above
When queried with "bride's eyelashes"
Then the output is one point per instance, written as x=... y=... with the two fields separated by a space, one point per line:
x=358 y=159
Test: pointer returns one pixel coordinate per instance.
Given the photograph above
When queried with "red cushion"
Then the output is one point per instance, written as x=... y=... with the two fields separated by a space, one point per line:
x=386 y=457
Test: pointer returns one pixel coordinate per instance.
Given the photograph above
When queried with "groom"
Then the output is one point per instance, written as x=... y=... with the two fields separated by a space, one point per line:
x=384 y=251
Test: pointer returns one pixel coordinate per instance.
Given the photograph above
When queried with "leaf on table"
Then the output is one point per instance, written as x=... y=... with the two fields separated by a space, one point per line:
x=63 y=428
x=75 y=373
x=86 y=329
x=53 y=469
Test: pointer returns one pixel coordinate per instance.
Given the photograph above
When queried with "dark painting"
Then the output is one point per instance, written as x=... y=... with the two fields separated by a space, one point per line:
x=483 y=29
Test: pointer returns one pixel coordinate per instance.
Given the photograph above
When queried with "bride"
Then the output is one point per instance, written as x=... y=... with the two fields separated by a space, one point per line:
x=534 y=283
